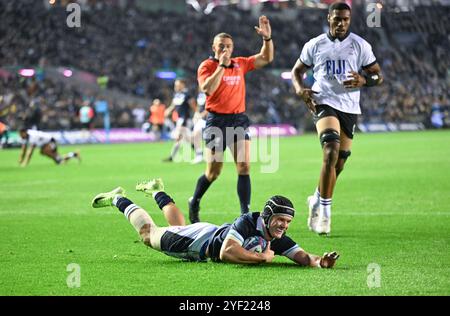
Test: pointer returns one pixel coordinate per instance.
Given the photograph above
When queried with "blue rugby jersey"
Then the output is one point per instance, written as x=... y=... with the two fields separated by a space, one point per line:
x=245 y=226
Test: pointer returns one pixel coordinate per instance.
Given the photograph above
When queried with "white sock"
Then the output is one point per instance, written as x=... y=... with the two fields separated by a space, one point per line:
x=130 y=209
x=175 y=150
x=325 y=207
x=316 y=197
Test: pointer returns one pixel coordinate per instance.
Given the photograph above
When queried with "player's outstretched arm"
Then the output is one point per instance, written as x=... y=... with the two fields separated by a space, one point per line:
x=328 y=260
x=266 y=54
x=28 y=155
x=233 y=252
x=22 y=153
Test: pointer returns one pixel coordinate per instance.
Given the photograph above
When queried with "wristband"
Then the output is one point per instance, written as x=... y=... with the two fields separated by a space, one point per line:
x=223 y=65
x=267 y=39
x=372 y=80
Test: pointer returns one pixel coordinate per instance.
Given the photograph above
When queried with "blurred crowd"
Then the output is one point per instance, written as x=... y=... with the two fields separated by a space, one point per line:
x=128 y=45
x=50 y=105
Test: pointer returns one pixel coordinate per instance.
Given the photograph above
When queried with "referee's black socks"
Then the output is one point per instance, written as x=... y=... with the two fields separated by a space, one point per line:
x=202 y=186
x=244 y=191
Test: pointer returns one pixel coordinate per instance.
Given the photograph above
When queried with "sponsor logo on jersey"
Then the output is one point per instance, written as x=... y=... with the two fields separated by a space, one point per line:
x=335 y=67
x=231 y=80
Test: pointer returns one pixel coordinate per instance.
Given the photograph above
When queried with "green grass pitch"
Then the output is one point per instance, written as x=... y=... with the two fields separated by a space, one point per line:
x=391 y=208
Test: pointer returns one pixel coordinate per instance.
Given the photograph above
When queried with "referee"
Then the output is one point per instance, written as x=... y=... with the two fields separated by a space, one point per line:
x=222 y=79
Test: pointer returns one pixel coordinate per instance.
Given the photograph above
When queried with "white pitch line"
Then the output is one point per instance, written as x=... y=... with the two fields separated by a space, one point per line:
x=394 y=213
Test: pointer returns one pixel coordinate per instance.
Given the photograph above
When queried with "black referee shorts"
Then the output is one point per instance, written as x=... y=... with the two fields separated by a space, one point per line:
x=224 y=130
x=346 y=120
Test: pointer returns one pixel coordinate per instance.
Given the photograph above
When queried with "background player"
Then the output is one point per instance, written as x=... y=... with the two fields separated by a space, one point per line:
x=157 y=118
x=182 y=102
x=34 y=138
x=199 y=121
x=338 y=59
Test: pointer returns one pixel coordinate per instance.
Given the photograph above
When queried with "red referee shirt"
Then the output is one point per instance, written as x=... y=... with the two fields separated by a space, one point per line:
x=229 y=98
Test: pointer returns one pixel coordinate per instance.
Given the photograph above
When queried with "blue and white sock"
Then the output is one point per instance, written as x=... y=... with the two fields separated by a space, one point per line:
x=162 y=199
x=125 y=205
x=325 y=207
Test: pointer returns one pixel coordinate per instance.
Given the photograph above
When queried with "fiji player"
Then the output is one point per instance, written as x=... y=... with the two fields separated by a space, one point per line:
x=34 y=138
x=342 y=63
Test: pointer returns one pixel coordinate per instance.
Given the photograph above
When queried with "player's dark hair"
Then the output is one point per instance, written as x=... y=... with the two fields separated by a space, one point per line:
x=339 y=6
x=277 y=205
x=223 y=35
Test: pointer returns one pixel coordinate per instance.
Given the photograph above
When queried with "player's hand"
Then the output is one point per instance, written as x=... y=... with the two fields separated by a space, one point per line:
x=355 y=81
x=307 y=97
x=329 y=259
x=268 y=253
x=264 y=28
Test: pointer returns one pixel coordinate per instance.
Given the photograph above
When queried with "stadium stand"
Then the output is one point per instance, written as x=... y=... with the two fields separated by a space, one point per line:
x=128 y=45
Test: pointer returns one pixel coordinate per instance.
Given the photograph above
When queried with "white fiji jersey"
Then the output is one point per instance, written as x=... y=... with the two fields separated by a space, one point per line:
x=332 y=61
x=37 y=138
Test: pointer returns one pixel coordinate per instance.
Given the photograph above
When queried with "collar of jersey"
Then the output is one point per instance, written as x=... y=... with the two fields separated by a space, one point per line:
x=217 y=61
x=260 y=226
x=332 y=38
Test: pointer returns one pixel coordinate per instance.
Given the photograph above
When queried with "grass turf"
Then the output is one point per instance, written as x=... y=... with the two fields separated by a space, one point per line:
x=391 y=207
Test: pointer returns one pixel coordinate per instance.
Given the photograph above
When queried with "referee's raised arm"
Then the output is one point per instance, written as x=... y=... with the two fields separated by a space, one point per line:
x=266 y=54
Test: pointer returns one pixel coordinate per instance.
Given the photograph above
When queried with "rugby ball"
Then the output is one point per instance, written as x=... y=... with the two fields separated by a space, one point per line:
x=255 y=244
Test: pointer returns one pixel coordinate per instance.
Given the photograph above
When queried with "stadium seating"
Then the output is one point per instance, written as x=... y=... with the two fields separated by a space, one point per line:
x=129 y=44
